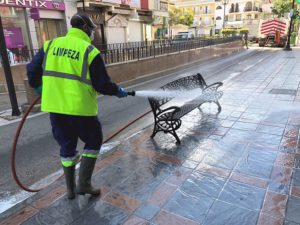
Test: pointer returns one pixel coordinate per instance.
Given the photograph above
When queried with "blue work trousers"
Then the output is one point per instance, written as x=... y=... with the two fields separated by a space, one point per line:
x=67 y=129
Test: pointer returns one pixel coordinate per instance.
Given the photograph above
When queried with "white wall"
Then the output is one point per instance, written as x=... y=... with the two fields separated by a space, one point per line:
x=134 y=31
x=70 y=10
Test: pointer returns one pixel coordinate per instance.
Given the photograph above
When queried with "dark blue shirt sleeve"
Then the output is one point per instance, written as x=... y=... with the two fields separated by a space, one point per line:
x=35 y=69
x=100 y=79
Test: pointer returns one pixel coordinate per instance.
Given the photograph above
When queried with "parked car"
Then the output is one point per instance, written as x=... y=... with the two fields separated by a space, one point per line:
x=183 y=36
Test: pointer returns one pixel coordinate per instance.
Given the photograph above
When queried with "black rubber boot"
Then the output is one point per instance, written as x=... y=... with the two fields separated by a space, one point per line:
x=70 y=181
x=85 y=175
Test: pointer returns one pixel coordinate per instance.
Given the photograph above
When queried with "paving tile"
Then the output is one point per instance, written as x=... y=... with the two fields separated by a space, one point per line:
x=291 y=131
x=297 y=162
x=20 y=217
x=198 y=155
x=279 y=187
x=275 y=204
x=189 y=206
x=270 y=129
x=262 y=147
x=102 y=213
x=292 y=212
x=143 y=182
x=190 y=164
x=42 y=218
x=167 y=218
x=215 y=171
x=145 y=152
x=245 y=126
x=49 y=198
x=147 y=211
x=254 y=181
x=227 y=123
x=200 y=184
x=66 y=211
x=254 y=168
x=179 y=176
x=265 y=219
x=133 y=220
x=131 y=162
x=168 y=159
x=281 y=174
x=285 y=160
x=122 y=201
x=266 y=139
x=295 y=191
x=162 y=194
x=296 y=178
x=224 y=213
x=286 y=222
x=112 y=176
x=221 y=159
x=113 y=157
x=289 y=142
x=243 y=195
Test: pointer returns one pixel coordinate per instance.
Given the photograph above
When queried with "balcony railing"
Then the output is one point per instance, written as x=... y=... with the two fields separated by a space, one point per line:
x=123 y=52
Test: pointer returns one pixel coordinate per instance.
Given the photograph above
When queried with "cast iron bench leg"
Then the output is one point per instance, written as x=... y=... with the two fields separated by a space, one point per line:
x=219 y=106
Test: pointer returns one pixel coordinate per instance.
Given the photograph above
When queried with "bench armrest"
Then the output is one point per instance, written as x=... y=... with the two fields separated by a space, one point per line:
x=214 y=85
x=171 y=109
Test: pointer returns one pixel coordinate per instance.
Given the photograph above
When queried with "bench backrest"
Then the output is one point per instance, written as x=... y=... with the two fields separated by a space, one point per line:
x=185 y=83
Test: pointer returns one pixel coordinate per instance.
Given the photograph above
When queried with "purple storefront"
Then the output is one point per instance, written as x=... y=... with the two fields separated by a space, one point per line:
x=28 y=23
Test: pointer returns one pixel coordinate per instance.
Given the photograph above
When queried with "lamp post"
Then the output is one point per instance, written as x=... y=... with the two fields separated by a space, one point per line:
x=288 y=45
x=224 y=2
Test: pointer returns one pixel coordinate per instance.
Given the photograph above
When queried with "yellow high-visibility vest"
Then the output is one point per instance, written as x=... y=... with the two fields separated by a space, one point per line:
x=67 y=87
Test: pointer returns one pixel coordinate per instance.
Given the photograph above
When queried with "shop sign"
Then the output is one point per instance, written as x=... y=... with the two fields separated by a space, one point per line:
x=33 y=4
x=34 y=13
x=131 y=3
x=13 y=37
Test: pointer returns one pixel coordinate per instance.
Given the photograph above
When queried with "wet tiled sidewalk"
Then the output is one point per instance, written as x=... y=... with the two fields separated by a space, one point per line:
x=241 y=167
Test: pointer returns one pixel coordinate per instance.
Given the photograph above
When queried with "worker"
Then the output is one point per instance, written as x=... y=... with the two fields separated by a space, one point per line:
x=68 y=72
x=246 y=39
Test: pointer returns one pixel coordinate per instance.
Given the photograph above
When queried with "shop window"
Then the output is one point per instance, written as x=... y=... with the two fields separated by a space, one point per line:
x=238 y=17
x=16 y=33
x=47 y=29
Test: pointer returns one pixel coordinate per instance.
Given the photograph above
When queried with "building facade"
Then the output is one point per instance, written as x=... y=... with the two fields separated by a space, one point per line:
x=204 y=15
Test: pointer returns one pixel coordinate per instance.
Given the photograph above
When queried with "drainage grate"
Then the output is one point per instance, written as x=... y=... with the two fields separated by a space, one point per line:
x=283 y=91
x=290 y=57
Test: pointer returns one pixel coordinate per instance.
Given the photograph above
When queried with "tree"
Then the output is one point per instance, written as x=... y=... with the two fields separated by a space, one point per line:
x=187 y=18
x=178 y=17
x=280 y=7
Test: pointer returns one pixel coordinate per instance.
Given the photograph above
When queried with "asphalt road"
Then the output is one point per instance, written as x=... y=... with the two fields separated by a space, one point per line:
x=38 y=153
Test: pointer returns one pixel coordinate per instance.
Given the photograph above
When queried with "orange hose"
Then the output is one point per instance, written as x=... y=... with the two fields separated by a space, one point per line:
x=16 y=138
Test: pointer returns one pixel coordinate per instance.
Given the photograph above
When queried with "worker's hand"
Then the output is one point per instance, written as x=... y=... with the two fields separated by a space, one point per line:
x=38 y=90
x=121 y=93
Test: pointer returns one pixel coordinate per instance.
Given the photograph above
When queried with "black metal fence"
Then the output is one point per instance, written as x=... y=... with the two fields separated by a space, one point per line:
x=122 y=52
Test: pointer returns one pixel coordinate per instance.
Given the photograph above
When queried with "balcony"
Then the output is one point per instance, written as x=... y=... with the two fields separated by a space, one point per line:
x=252 y=9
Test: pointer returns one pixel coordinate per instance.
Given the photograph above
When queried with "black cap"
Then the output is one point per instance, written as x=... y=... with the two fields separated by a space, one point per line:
x=80 y=19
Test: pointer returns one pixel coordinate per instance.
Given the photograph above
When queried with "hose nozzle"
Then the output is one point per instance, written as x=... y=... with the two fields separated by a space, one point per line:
x=132 y=93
